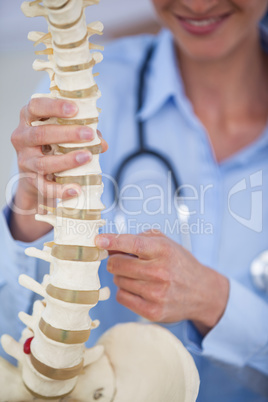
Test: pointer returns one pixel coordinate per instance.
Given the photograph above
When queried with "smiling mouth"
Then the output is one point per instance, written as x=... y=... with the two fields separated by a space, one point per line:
x=203 y=25
x=203 y=22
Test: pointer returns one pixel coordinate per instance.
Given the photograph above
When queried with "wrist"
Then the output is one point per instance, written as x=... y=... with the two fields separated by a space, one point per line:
x=25 y=201
x=22 y=223
x=214 y=296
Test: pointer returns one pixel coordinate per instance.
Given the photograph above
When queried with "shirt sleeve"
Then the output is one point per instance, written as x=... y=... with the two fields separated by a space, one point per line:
x=241 y=336
x=13 y=297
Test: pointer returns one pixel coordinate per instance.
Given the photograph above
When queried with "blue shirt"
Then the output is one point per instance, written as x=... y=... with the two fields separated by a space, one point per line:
x=228 y=223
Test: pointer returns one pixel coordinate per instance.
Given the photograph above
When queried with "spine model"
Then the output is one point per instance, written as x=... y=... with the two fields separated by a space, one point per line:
x=56 y=355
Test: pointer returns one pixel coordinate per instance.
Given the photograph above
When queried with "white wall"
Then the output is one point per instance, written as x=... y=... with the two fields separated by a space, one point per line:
x=17 y=79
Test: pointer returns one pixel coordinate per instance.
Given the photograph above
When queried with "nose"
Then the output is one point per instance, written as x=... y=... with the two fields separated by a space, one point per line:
x=200 y=6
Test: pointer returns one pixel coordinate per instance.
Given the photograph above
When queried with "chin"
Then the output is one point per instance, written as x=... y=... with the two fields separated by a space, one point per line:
x=204 y=53
x=204 y=49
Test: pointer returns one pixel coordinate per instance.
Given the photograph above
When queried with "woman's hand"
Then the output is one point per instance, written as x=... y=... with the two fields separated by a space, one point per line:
x=34 y=186
x=161 y=281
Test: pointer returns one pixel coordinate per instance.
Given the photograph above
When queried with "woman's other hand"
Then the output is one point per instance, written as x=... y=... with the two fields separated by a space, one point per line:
x=36 y=167
x=161 y=281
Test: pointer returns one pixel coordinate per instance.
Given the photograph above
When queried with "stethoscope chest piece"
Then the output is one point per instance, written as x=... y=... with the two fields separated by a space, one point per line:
x=259 y=271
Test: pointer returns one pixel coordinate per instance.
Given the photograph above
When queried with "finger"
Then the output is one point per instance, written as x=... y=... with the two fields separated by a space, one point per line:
x=56 y=134
x=144 y=247
x=116 y=252
x=104 y=145
x=127 y=266
x=52 y=190
x=133 y=286
x=152 y=233
x=40 y=108
x=149 y=290
x=138 y=305
x=57 y=163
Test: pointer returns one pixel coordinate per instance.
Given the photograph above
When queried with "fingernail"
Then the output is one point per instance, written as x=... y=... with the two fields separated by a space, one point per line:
x=102 y=242
x=69 y=109
x=86 y=133
x=83 y=157
x=72 y=192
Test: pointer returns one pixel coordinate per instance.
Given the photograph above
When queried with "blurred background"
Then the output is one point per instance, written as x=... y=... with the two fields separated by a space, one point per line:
x=17 y=79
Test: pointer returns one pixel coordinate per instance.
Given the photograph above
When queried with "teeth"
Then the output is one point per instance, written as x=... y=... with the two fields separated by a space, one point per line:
x=202 y=23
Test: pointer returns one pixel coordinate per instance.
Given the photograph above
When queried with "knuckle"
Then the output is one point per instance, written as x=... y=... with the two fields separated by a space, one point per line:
x=155 y=313
x=158 y=294
x=163 y=275
x=138 y=246
x=158 y=272
x=32 y=106
x=15 y=139
x=156 y=232
x=165 y=249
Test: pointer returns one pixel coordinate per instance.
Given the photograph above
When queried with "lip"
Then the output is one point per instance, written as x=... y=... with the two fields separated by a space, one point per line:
x=203 y=25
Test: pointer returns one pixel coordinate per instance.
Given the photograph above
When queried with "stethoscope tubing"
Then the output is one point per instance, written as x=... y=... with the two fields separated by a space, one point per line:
x=142 y=148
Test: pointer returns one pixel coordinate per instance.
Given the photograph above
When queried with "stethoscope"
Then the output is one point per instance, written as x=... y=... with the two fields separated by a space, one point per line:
x=259 y=272
x=259 y=267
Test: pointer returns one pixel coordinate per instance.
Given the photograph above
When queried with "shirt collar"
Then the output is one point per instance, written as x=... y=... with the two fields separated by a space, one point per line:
x=163 y=81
